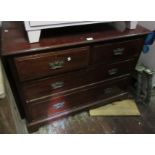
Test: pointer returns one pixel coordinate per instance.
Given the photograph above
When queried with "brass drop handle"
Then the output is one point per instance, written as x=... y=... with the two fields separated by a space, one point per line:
x=56 y=64
x=57 y=85
x=113 y=71
x=58 y=105
x=118 y=51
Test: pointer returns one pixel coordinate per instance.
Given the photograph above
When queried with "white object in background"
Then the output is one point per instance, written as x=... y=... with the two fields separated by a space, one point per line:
x=34 y=35
x=34 y=28
x=131 y=24
x=2 y=91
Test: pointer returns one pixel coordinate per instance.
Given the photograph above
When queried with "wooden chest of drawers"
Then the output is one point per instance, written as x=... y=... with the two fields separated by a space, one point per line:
x=51 y=63
x=67 y=72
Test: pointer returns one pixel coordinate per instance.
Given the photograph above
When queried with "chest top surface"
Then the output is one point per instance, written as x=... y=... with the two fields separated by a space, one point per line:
x=14 y=39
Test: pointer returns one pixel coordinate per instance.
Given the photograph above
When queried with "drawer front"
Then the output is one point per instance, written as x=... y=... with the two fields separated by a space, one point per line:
x=115 y=52
x=53 y=85
x=67 y=103
x=41 y=65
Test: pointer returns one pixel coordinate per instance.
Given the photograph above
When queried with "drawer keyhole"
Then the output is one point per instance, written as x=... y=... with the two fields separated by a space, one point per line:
x=69 y=59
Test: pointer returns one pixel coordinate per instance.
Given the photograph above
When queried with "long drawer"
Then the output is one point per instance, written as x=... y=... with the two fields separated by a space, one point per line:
x=115 y=52
x=44 y=64
x=67 y=103
x=55 y=84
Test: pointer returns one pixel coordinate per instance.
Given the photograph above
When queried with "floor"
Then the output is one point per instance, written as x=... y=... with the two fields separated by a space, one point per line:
x=7 y=124
x=81 y=123
x=10 y=121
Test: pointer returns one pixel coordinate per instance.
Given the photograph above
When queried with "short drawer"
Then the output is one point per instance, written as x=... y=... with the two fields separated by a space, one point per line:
x=50 y=86
x=44 y=64
x=64 y=104
x=115 y=52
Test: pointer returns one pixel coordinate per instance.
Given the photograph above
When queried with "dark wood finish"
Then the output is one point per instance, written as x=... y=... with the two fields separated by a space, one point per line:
x=83 y=123
x=76 y=100
x=51 y=63
x=69 y=81
x=118 y=51
x=64 y=72
x=16 y=41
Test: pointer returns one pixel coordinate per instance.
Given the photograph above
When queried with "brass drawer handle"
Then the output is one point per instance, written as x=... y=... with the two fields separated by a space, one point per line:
x=118 y=51
x=56 y=64
x=113 y=71
x=58 y=105
x=57 y=85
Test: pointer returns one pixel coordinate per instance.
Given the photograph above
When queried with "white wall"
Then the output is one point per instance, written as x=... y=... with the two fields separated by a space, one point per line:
x=149 y=58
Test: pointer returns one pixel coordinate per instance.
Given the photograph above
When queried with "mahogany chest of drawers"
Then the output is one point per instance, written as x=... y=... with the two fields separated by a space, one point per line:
x=68 y=72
